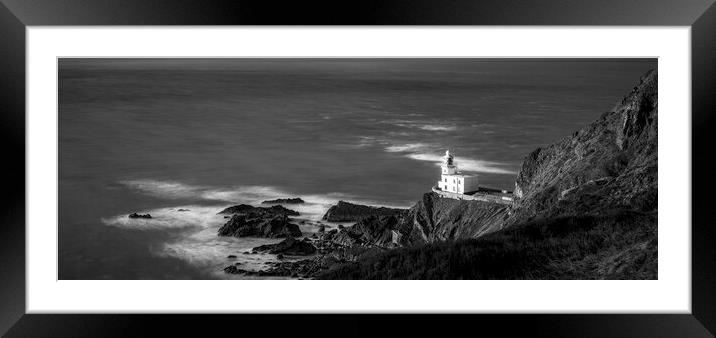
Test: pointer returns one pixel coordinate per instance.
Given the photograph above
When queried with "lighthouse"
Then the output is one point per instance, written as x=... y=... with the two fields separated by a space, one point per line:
x=451 y=180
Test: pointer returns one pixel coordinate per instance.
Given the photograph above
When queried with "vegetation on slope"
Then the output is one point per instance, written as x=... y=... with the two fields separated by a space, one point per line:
x=618 y=246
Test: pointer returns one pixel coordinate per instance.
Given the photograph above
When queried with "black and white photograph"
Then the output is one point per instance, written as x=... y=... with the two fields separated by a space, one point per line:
x=357 y=168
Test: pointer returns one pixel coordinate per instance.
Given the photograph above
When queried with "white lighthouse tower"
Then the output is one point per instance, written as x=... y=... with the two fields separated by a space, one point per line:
x=452 y=180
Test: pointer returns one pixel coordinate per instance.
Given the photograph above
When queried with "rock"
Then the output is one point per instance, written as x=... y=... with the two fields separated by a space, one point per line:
x=284 y=201
x=279 y=256
x=241 y=208
x=247 y=220
x=136 y=215
x=289 y=246
x=436 y=219
x=232 y=269
x=231 y=256
x=349 y=212
x=259 y=225
x=372 y=231
x=182 y=209
x=273 y=210
x=340 y=226
x=322 y=228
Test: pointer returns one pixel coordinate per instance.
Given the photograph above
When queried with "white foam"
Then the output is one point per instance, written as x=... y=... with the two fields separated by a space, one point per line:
x=431 y=153
x=465 y=164
x=206 y=249
x=424 y=125
x=242 y=194
x=435 y=127
x=399 y=148
x=172 y=218
x=200 y=244
x=178 y=190
x=163 y=189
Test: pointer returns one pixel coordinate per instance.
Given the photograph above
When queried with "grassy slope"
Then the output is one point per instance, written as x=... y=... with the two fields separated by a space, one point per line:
x=618 y=246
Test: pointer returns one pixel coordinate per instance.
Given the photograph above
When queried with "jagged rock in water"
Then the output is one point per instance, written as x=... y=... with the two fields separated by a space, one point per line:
x=273 y=210
x=289 y=246
x=136 y=215
x=259 y=225
x=296 y=200
x=349 y=212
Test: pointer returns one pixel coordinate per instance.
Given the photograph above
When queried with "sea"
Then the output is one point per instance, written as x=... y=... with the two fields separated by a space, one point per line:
x=181 y=139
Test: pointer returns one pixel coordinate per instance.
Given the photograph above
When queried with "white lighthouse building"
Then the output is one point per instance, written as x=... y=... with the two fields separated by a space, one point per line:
x=452 y=180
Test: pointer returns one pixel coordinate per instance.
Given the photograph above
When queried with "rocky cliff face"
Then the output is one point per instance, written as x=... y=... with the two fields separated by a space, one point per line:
x=611 y=163
x=438 y=219
x=349 y=212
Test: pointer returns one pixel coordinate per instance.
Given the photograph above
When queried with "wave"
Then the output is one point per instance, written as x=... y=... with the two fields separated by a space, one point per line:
x=465 y=164
x=405 y=147
x=169 y=218
x=424 y=152
x=163 y=189
x=423 y=125
x=205 y=248
x=178 y=190
x=435 y=127
x=199 y=244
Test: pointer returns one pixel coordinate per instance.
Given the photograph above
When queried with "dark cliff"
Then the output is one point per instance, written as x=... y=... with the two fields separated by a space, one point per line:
x=349 y=212
x=610 y=164
x=438 y=219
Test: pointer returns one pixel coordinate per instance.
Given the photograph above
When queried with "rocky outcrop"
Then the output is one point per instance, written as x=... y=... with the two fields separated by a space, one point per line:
x=273 y=210
x=289 y=246
x=247 y=220
x=284 y=201
x=259 y=225
x=611 y=163
x=349 y=212
x=435 y=218
x=369 y=231
x=136 y=215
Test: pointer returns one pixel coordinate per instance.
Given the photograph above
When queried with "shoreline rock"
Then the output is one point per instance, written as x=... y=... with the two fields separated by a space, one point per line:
x=245 y=208
x=295 y=200
x=289 y=246
x=349 y=212
x=136 y=215
x=259 y=225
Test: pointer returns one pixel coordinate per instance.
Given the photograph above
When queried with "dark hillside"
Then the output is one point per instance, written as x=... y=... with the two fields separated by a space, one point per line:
x=620 y=246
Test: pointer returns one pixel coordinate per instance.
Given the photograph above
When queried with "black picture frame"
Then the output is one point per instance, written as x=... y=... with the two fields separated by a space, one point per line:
x=15 y=15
